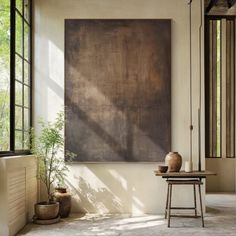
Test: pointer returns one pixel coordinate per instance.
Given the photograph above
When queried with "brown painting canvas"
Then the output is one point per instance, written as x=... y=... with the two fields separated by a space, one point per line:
x=118 y=89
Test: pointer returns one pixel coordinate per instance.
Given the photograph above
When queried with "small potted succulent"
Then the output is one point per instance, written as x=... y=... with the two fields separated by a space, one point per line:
x=51 y=166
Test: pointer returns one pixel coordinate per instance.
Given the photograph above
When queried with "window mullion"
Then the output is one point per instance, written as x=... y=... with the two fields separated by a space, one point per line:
x=31 y=67
x=12 y=75
x=23 y=72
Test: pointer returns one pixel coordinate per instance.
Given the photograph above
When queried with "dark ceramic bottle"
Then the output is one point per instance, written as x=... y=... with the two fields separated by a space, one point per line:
x=64 y=199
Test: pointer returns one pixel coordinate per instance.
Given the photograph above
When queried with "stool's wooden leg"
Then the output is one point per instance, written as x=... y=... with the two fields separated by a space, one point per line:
x=169 y=206
x=200 y=197
x=167 y=201
x=195 y=201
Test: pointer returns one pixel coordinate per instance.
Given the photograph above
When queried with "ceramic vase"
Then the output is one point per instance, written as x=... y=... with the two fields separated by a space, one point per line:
x=64 y=198
x=174 y=161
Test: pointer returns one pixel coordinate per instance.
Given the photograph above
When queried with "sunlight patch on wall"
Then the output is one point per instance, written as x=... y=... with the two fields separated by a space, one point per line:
x=56 y=57
x=119 y=178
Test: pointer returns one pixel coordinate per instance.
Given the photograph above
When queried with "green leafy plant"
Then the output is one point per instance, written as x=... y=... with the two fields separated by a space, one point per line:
x=47 y=147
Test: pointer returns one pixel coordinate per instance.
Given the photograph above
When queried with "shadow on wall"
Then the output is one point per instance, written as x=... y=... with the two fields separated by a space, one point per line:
x=87 y=199
x=105 y=188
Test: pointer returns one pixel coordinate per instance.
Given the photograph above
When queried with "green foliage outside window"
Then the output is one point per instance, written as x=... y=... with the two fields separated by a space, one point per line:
x=22 y=75
x=4 y=75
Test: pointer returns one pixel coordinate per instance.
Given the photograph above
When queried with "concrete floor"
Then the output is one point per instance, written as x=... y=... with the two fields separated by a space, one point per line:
x=220 y=219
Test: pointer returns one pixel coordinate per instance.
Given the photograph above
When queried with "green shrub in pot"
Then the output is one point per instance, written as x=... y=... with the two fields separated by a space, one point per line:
x=48 y=147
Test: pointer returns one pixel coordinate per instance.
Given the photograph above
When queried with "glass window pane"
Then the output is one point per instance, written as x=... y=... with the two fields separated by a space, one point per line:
x=18 y=94
x=18 y=140
x=26 y=96
x=26 y=41
x=19 y=28
x=26 y=10
x=18 y=117
x=218 y=89
x=19 y=5
x=18 y=69
x=4 y=75
x=26 y=119
x=26 y=141
x=26 y=73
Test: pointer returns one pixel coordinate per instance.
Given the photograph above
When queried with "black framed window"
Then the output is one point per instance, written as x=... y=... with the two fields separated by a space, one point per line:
x=220 y=86
x=15 y=76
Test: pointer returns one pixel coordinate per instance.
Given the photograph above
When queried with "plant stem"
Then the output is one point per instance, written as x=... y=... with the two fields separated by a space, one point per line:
x=50 y=170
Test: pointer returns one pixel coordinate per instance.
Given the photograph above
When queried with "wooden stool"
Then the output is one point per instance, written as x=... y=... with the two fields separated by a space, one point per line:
x=193 y=182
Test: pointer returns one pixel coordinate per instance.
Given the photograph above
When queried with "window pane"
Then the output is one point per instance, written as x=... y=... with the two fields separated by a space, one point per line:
x=4 y=75
x=18 y=68
x=213 y=95
x=18 y=140
x=26 y=41
x=218 y=89
x=26 y=141
x=26 y=96
x=18 y=117
x=18 y=93
x=230 y=88
x=19 y=28
x=26 y=10
x=26 y=119
x=19 y=5
x=26 y=72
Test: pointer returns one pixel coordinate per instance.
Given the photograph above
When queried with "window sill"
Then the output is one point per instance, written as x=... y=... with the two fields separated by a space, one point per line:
x=10 y=154
x=16 y=157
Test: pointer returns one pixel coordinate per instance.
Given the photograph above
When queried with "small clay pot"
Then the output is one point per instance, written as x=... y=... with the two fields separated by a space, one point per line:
x=162 y=168
x=64 y=199
x=174 y=161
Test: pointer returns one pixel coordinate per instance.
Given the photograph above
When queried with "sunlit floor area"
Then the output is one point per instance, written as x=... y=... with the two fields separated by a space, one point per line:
x=220 y=219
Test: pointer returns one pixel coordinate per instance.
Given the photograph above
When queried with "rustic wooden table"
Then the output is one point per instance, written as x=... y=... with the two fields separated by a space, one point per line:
x=184 y=178
x=183 y=174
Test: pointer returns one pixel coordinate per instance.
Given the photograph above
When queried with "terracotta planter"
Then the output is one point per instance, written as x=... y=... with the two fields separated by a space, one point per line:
x=46 y=211
x=64 y=199
x=174 y=161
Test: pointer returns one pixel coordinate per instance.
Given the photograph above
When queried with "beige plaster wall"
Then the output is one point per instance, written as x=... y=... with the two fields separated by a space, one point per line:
x=119 y=187
x=224 y=181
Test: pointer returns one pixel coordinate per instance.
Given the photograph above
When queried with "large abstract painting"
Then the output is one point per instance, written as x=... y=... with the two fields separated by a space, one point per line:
x=118 y=89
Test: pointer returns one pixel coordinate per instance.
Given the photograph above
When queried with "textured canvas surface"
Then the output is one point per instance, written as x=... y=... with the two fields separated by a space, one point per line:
x=118 y=89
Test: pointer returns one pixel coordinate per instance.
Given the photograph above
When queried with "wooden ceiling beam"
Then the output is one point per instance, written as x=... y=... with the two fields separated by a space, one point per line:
x=211 y=4
x=231 y=3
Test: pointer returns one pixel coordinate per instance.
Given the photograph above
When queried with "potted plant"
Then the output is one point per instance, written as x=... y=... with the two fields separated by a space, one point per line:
x=47 y=147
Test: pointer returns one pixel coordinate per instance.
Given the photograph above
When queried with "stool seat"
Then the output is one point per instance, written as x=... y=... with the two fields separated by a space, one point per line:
x=186 y=181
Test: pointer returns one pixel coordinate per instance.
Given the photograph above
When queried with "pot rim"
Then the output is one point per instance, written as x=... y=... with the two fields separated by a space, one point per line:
x=59 y=188
x=46 y=203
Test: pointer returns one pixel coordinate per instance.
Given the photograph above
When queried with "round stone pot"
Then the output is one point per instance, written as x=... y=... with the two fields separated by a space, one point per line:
x=64 y=198
x=46 y=211
x=174 y=161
